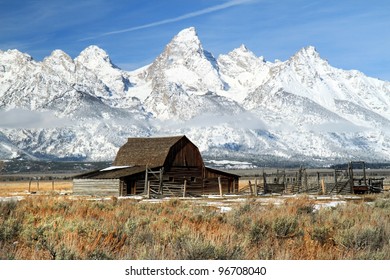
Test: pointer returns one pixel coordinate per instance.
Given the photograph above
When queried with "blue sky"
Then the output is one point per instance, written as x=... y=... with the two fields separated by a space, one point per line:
x=350 y=34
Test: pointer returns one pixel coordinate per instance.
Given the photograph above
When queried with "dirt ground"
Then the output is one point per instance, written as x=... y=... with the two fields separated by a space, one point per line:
x=21 y=188
x=15 y=191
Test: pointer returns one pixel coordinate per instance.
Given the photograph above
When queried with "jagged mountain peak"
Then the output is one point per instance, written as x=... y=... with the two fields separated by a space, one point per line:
x=310 y=50
x=13 y=52
x=187 y=35
x=12 y=55
x=186 y=49
x=184 y=73
x=184 y=45
x=59 y=61
x=58 y=55
x=242 y=50
x=307 y=54
x=188 y=32
x=93 y=57
x=243 y=53
x=185 y=62
x=304 y=69
x=243 y=71
x=94 y=52
x=237 y=106
x=98 y=62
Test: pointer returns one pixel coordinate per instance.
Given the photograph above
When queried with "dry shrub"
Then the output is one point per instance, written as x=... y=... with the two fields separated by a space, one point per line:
x=299 y=205
x=321 y=234
x=62 y=228
x=362 y=238
x=285 y=226
x=259 y=232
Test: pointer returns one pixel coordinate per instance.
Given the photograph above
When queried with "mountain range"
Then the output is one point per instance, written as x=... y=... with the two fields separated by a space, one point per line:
x=239 y=109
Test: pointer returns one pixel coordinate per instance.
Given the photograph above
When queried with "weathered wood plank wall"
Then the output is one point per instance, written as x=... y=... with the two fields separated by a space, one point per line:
x=96 y=187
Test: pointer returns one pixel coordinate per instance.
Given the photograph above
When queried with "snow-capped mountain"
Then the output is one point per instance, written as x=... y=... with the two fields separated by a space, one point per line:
x=236 y=106
x=184 y=80
x=93 y=126
x=243 y=71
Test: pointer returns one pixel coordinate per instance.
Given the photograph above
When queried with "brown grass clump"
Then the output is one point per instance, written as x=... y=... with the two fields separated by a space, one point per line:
x=62 y=228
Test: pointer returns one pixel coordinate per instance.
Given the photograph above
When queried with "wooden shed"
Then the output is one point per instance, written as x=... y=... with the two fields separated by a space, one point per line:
x=157 y=166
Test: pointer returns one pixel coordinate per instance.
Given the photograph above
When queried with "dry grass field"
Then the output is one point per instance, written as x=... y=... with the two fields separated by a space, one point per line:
x=21 y=188
x=295 y=227
x=45 y=224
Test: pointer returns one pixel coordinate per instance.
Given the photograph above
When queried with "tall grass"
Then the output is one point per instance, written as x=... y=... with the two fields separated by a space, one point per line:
x=62 y=228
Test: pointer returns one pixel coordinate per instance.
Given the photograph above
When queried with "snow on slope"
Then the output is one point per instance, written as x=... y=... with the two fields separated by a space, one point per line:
x=243 y=72
x=67 y=88
x=185 y=62
x=116 y=80
x=184 y=80
x=238 y=106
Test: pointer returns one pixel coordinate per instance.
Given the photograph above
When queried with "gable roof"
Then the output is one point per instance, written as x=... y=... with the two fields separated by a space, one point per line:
x=112 y=173
x=151 y=151
x=223 y=173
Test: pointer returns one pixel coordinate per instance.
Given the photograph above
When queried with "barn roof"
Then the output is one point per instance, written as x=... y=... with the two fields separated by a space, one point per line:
x=220 y=172
x=138 y=153
x=113 y=172
x=151 y=151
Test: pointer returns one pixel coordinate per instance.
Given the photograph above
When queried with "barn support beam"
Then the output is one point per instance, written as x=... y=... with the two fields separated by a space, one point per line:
x=161 y=181
x=148 y=192
x=146 y=180
x=220 y=186
x=185 y=188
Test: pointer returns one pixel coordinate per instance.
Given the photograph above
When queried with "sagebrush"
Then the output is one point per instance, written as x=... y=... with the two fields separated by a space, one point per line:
x=62 y=228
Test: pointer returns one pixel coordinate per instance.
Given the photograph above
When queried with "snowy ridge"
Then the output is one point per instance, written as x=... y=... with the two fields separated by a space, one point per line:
x=236 y=107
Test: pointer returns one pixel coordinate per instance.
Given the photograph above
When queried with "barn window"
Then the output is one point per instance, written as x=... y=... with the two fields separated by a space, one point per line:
x=193 y=179
x=171 y=179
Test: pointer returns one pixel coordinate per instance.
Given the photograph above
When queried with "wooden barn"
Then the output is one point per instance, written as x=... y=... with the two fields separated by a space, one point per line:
x=163 y=166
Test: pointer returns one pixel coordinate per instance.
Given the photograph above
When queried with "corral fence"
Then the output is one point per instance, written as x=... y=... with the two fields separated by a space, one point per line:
x=349 y=180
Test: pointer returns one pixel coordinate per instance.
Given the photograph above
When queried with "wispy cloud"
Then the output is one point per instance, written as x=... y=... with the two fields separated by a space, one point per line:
x=201 y=12
x=242 y=120
x=25 y=119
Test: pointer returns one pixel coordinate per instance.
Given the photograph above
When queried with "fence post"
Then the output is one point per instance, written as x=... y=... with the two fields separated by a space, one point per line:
x=323 y=186
x=148 y=191
x=185 y=188
x=255 y=186
x=220 y=186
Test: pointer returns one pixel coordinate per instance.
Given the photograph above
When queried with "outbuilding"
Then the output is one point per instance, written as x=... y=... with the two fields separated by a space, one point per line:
x=157 y=166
